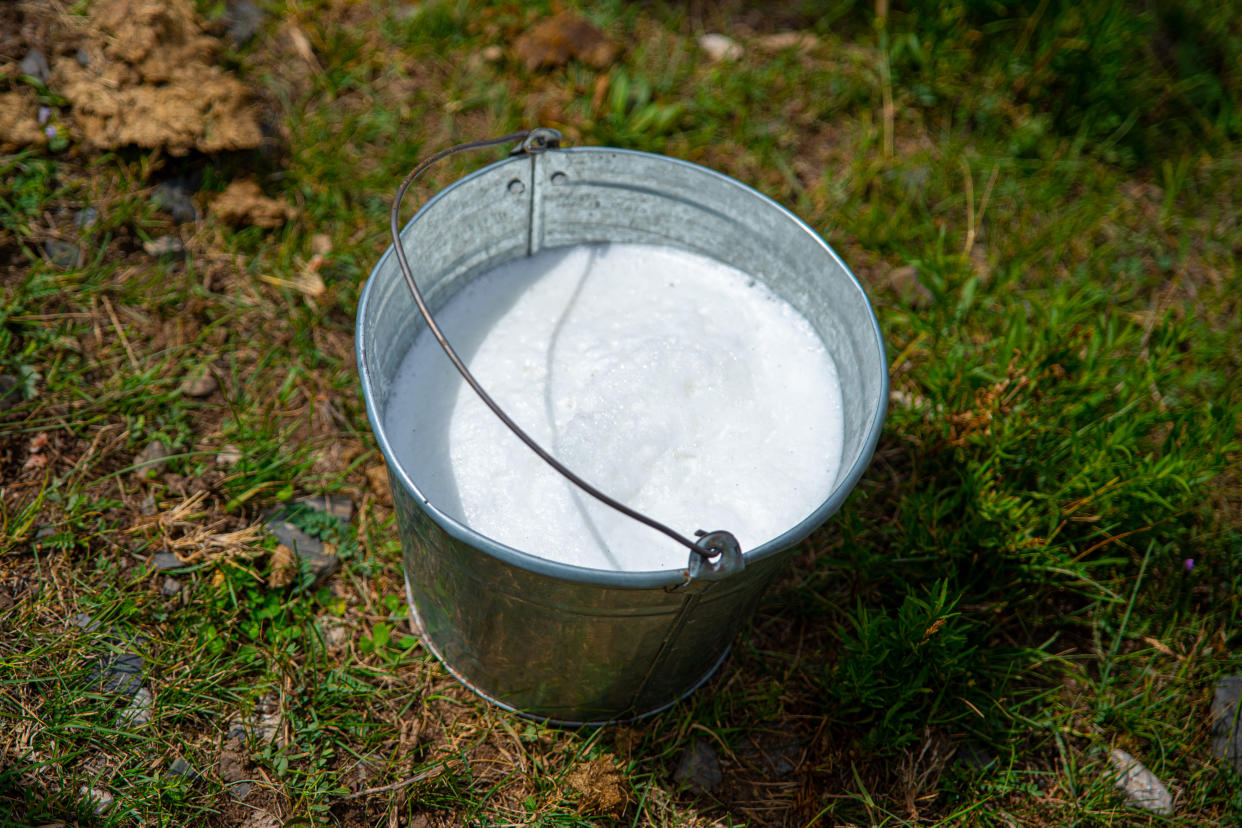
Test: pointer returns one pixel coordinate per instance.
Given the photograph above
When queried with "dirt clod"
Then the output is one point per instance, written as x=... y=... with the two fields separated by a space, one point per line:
x=553 y=42
x=281 y=568
x=600 y=785
x=243 y=203
x=149 y=80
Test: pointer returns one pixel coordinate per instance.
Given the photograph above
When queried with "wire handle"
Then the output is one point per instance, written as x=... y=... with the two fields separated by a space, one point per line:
x=715 y=554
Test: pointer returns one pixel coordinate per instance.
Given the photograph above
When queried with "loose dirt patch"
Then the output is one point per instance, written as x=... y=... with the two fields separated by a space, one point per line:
x=135 y=73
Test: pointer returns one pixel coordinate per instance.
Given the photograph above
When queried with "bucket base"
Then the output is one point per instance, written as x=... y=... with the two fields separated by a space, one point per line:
x=417 y=623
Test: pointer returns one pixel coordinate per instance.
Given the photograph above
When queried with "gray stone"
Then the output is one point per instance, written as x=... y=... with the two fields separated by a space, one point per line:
x=84 y=57
x=63 y=254
x=338 y=506
x=240 y=790
x=85 y=621
x=164 y=247
x=151 y=459
x=720 y=47
x=122 y=673
x=164 y=561
x=97 y=797
x=180 y=767
x=175 y=200
x=321 y=561
x=10 y=392
x=35 y=65
x=86 y=217
x=1226 y=736
x=170 y=587
x=699 y=767
x=199 y=385
x=138 y=712
x=1142 y=788
x=244 y=19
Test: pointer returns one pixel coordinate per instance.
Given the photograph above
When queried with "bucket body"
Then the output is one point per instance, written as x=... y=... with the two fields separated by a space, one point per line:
x=547 y=639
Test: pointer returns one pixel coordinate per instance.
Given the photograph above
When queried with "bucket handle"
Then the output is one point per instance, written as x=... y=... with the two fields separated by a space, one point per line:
x=715 y=554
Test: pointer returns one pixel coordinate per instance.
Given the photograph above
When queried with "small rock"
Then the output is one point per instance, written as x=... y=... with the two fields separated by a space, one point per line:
x=240 y=790
x=10 y=392
x=720 y=48
x=35 y=65
x=164 y=247
x=699 y=767
x=263 y=725
x=339 y=506
x=164 y=561
x=244 y=19
x=180 y=767
x=170 y=587
x=261 y=819
x=138 y=712
x=122 y=674
x=1226 y=736
x=98 y=797
x=85 y=621
x=63 y=254
x=83 y=57
x=492 y=54
x=319 y=556
x=86 y=217
x=148 y=505
x=199 y=385
x=553 y=42
x=335 y=633
x=151 y=459
x=175 y=200
x=228 y=456
x=1141 y=787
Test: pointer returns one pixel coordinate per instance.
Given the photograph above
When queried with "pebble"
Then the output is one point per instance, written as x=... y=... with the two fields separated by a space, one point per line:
x=10 y=392
x=122 y=674
x=101 y=799
x=180 y=767
x=170 y=587
x=138 y=712
x=63 y=254
x=1141 y=787
x=493 y=54
x=339 y=506
x=699 y=767
x=175 y=200
x=86 y=217
x=164 y=561
x=320 y=557
x=148 y=505
x=200 y=385
x=228 y=456
x=719 y=47
x=244 y=19
x=164 y=247
x=151 y=459
x=1226 y=735
x=35 y=65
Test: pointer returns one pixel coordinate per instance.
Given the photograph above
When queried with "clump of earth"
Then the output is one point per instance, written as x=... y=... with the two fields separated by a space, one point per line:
x=135 y=73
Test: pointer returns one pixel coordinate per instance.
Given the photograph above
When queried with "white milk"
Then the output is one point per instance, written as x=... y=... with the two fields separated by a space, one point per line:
x=674 y=383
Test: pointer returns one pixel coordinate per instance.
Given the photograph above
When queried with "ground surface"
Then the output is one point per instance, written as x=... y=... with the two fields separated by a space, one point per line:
x=1042 y=564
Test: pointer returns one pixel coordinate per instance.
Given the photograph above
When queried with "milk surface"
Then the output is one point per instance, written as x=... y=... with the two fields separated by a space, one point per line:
x=673 y=383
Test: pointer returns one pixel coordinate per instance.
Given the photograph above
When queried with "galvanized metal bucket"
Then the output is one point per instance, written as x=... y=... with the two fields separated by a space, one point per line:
x=560 y=642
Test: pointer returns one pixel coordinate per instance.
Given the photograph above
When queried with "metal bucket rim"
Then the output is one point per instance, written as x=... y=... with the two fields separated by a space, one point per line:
x=615 y=579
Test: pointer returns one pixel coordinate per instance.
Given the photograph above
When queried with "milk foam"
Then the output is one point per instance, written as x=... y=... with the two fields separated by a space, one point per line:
x=674 y=383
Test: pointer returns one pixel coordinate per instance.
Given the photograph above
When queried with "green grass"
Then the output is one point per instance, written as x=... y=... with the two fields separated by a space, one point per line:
x=1039 y=200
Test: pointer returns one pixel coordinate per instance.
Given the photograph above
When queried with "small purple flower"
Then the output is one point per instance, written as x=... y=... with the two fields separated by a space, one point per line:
x=45 y=115
x=1189 y=563
x=49 y=131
